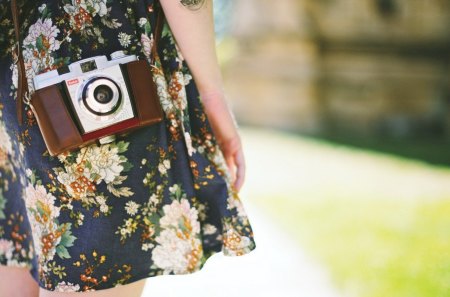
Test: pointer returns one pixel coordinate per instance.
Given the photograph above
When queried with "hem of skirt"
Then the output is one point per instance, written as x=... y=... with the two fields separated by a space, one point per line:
x=17 y=265
x=145 y=276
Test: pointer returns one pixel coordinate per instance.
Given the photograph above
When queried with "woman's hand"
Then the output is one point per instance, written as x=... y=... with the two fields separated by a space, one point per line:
x=225 y=130
x=234 y=156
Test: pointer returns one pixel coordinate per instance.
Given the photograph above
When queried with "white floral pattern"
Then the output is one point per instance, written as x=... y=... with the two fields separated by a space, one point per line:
x=40 y=44
x=179 y=247
x=67 y=287
x=81 y=12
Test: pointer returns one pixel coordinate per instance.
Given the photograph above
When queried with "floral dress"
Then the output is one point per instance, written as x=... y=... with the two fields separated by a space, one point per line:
x=157 y=200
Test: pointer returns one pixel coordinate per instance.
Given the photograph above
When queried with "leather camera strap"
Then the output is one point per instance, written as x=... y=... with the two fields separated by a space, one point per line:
x=22 y=84
x=21 y=81
x=158 y=31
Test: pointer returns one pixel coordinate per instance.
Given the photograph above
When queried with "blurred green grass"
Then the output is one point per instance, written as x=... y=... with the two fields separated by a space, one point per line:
x=378 y=222
x=373 y=248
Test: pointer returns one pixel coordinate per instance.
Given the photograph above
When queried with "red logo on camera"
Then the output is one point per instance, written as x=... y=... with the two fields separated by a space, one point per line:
x=72 y=81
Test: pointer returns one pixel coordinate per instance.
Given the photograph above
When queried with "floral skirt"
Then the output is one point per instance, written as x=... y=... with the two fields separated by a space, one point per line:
x=157 y=200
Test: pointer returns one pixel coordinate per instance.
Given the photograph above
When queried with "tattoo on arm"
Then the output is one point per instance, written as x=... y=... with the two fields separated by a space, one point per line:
x=192 y=3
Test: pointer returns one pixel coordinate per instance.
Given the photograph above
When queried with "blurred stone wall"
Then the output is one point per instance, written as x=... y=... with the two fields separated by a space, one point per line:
x=364 y=67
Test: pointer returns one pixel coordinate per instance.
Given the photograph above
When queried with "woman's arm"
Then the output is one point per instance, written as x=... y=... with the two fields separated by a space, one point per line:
x=194 y=33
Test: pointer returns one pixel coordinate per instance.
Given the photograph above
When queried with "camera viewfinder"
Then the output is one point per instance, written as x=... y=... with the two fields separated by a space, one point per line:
x=88 y=66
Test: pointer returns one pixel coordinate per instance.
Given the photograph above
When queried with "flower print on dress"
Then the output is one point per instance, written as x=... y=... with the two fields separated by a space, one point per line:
x=17 y=251
x=124 y=39
x=67 y=287
x=179 y=248
x=81 y=14
x=235 y=244
x=104 y=160
x=147 y=43
x=147 y=37
x=51 y=238
x=40 y=45
x=6 y=248
x=209 y=229
x=7 y=154
x=16 y=246
x=144 y=217
x=164 y=166
x=236 y=234
x=173 y=100
x=99 y=269
x=43 y=214
x=177 y=91
x=132 y=207
x=86 y=168
x=15 y=76
x=161 y=87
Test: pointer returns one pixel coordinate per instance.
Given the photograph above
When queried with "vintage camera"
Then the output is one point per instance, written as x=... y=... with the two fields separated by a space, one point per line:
x=94 y=98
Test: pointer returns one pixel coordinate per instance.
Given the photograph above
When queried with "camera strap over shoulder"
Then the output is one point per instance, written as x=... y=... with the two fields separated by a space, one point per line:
x=158 y=31
x=22 y=84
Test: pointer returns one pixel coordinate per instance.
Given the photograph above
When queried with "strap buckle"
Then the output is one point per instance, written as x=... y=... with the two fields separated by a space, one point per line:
x=26 y=98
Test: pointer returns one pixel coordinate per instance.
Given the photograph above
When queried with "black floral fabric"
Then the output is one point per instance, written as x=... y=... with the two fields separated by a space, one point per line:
x=157 y=200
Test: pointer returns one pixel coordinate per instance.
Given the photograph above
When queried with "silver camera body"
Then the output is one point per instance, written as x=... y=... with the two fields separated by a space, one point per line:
x=96 y=90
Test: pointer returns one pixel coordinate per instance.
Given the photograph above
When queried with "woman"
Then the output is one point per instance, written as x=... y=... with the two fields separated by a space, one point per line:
x=159 y=200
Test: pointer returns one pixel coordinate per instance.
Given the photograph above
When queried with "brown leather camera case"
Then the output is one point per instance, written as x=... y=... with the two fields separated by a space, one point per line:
x=60 y=131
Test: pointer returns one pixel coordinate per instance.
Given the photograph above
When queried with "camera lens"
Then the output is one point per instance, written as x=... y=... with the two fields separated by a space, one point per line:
x=103 y=94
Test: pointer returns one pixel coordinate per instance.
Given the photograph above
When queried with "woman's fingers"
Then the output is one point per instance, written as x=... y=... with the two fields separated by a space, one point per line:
x=234 y=157
x=231 y=166
x=240 y=169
